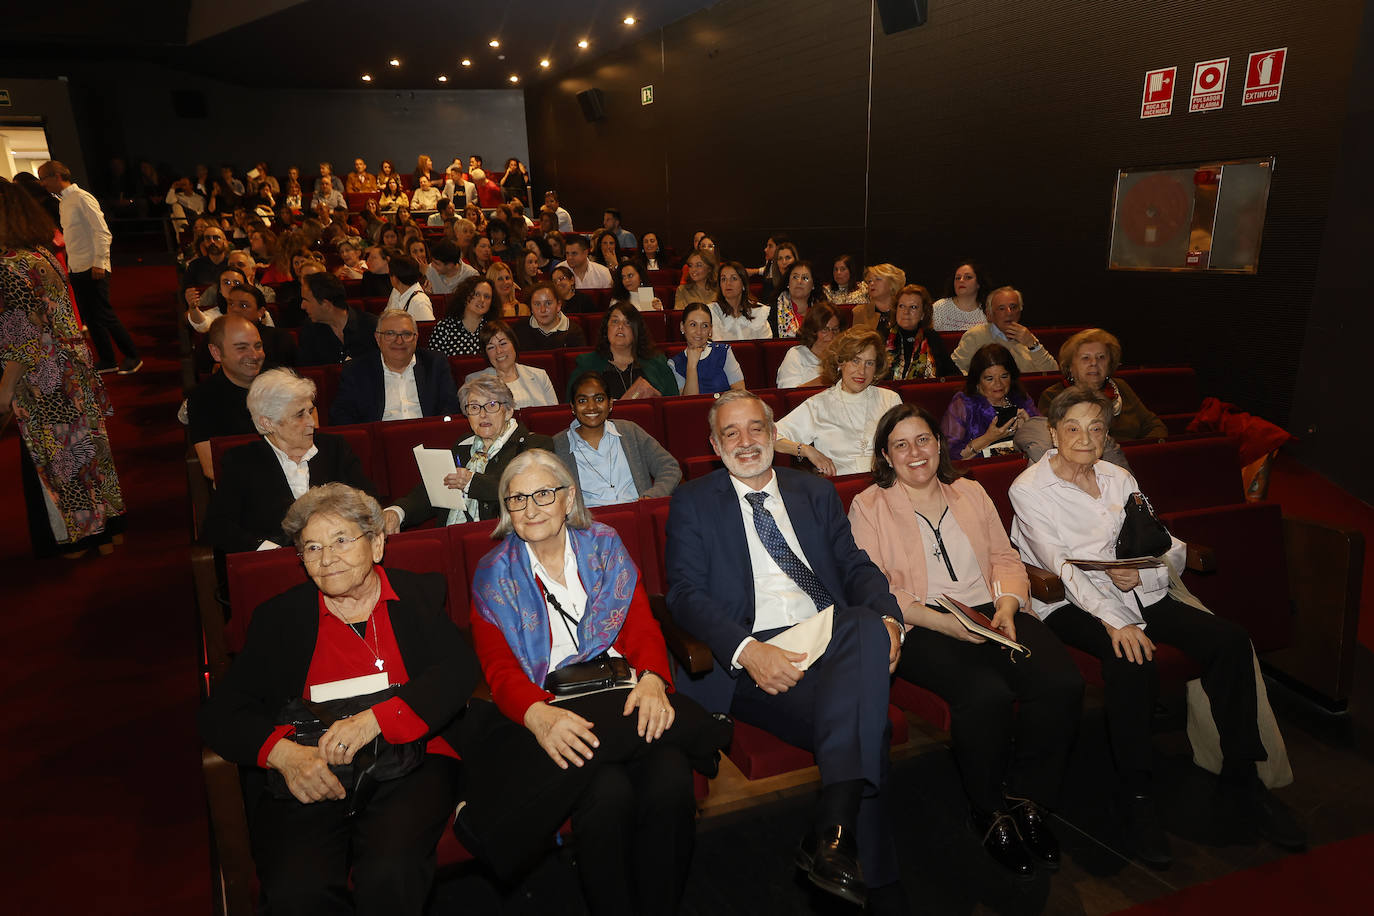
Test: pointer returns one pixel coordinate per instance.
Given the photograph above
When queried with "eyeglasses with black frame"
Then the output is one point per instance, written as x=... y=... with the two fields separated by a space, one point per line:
x=489 y=407
x=389 y=335
x=542 y=497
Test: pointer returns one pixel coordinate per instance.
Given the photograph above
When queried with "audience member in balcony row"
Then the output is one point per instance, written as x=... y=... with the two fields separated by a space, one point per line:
x=700 y=285
x=1119 y=616
x=185 y=204
x=326 y=171
x=799 y=294
x=393 y=196
x=294 y=201
x=803 y=365
x=611 y=461
x=424 y=168
x=917 y=352
x=548 y=328
x=457 y=188
x=258 y=482
x=327 y=195
x=962 y=307
x=356 y=619
x=935 y=533
x=218 y=406
x=407 y=292
x=834 y=428
x=627 y=358
x=848 y=288
x=508 y=304
x=457 y=334
x=337 y=331
x=447 y=269
x=992 y=406
x=704 y=367
x=753 y=549
x=263 y=179
x=628 y=288
x=883 y=282
x=651 y=253
x=1003 y=326
x=529 y=385
x=618 y=762
x=565 y=223
x=489 y=194
x=606 y=250
x=734 y=314
x=425 y=197
x=360 y=180
x=497 y=437
x=515 y=181
x=575 y=302
x=395 y=382
x=587 y=273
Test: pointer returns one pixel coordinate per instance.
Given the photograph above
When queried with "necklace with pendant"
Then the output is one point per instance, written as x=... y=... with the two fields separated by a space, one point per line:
x=375 y=648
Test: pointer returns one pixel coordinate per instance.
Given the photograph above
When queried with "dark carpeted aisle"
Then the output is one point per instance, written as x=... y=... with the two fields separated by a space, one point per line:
x=104 y=809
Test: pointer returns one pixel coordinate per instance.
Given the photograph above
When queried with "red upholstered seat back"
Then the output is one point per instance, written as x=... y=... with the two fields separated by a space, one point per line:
x=685 y=430
x=771 y=355
x=463 y=366
x=933 y=396
x=398 y=439
x=850 y=486
x=1165 y=390
x=326 y=379
x=995 y=475
x=221 y=444
x=1191 y=474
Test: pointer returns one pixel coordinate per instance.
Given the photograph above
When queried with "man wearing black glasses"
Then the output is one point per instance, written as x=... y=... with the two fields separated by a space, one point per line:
x=398 y=382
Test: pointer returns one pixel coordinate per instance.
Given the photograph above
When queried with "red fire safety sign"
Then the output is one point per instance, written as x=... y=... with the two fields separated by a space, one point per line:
x=1158 y=98
x=1264 y=76
x=1209 y=84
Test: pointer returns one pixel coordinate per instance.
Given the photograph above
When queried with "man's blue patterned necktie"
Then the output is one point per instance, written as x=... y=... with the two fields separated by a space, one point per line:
x=787 y=561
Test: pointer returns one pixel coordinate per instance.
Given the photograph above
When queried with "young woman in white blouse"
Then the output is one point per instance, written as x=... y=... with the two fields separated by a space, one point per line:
x=802 y=366
x=834 y=429
x=963 y=307
x=734 y=314
x=1071 y=504
x=529 y=384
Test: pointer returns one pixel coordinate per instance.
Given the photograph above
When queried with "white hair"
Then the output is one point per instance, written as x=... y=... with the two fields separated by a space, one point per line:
x=272 y=392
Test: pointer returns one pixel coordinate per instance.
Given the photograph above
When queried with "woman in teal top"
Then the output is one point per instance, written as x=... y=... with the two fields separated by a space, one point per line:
x=627 y=358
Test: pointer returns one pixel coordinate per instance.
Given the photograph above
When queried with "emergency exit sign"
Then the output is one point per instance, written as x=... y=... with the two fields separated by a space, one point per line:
x=646 y=95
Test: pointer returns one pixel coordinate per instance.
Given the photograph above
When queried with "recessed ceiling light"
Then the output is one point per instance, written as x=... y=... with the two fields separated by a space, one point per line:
x=494 y=43
x=544 y=63
x=514 y=78
x=367 y=77
x=629 y=20
x=466 y=62
x=442 y=78
x=394 y=62
x=582 y=44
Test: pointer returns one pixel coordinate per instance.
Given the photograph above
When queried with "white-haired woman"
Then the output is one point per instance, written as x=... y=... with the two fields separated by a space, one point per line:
x=496 y=438
x=258 y=482
x=331 y=832
x=558 y=593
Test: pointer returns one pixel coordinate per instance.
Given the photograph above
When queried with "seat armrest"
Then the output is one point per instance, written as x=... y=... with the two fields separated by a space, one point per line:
x=212 y=613
x=1201 y=559
x=232 y=851
x=693 y=654
x=1044 y=585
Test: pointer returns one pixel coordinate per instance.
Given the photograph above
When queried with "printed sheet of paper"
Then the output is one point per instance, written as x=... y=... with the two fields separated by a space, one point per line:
x=810 y=636
x=643 y=298
x=436 y=464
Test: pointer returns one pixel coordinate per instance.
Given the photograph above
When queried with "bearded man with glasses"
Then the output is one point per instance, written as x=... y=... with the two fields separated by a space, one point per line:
x=397 y=381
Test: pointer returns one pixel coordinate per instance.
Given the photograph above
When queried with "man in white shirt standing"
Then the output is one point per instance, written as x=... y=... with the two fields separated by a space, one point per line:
x=587 y=274
x=407 y=294
x=88 y=261
x=398 y=382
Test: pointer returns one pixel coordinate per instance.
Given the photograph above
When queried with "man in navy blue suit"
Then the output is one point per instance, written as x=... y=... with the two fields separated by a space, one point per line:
x=397 y=382
x=752 y=550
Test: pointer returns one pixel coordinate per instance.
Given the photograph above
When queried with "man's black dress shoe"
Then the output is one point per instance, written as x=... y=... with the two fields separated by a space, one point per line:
x=1252 y=811
x=830 y=858
x=1003 y=843
x=1034 y=827
x=1147 y=839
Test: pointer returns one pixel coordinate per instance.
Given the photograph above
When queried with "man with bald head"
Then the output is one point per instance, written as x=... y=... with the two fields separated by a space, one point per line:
x=398 y=382
x=219 y=405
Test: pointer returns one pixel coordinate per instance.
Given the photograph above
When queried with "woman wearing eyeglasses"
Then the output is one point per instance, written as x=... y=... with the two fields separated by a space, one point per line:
x=834 y=429
x=801 y=366
x=497 y=437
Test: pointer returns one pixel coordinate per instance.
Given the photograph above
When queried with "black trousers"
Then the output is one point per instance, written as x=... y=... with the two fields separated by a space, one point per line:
x=995 y=742
x=1228 y=677
x=304 y=852
x=93 y=299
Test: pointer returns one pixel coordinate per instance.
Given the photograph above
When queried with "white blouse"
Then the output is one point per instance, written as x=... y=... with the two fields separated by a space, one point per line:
x=1056 y=520
x=798 y=367
x=840 y=425
x=728 y=327
x=945 y=315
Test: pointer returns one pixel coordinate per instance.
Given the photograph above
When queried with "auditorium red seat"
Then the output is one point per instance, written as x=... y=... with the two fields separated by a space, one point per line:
x=326 y=379
x=656 y=323
x=1036 y=382
x=602 y=298
x=424 y=329
x=1190 y=474
x=374 y=304
x=463 y=366
x=850 y=486
x=749 y=357
x=927 y=704
x=357 y=201
x=771 y=354
x=932 y=395
x=398 y=439
x=685 y=431
x=1171 y=390
x=567 y=361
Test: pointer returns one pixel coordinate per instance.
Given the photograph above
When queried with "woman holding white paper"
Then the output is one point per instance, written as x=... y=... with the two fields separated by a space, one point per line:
x=936 y=534
x=383 y=638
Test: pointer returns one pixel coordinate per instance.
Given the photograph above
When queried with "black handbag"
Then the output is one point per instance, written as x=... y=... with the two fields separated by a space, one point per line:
x=376 y=762
x=601 y=673
x=1142 y=533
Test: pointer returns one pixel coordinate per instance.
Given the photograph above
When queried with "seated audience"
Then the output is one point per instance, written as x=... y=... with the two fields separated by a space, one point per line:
x=473 y=214
x=458 y=189
x=481 y=256
x=785 y=254
x=834 y=429
x=294 y=199
x=651 y=253
x=395 y=382
x=360 y=180
x=337 y=331
x=615 y=762
x=733 y=313
x=1004 y=326
x=351 y=253
x=446 y=268
x=353 y=620
x=497 y=437
x=799 y=294
x=627 y=358
x=218 y=406
x=1089 y=359
x=529 y=385
x=548 y=328
x=992 y=406
x=936 y=534
x=539 y=247
x=558 y=248
x=618 y=459
x=457 y=334
x=848 y=288
x=1071 y=504
x=915 y=349
x=407 y=293
x=587 y=273
x=376 y=280
x=418 y=251
x=424 y=168
x=393 y=196
x=443 y=215
x=704 y=367
x=212 y=249
x=527 y=272
x=507 y=303
x=883 y=282
x=386 y=170
x=425 y=197
x=629 y=280
x=370 y=221
x=326 y=195
x=278 y=344
x=390 y=237
x=403 y=221
x=962 y=307
x=610 y=222
x=700 y=285
x=258 y=482
x=606 y=250
x=504 y=246
x=575 y=302
x=565 y=223
x=803 y=365
x=515 y=180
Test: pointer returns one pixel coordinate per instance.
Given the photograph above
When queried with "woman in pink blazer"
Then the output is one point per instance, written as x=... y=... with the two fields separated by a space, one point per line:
x=933 y=533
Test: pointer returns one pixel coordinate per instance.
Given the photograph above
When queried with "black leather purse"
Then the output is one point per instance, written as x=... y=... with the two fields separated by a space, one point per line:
x=376 y=762
x=1142 y=533
x=601 y=673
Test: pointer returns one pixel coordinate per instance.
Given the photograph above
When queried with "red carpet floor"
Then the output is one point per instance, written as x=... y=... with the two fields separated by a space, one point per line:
x=104 y=811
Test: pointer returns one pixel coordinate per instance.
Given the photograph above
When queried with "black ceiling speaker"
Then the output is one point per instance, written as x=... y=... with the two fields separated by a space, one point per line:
x=900 y=15
x=593 y=102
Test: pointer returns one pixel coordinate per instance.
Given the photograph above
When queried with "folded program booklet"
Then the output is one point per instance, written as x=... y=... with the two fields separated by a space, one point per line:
x=1128 y=563
x=435 y=464
x=810 y=636
x=979 y=624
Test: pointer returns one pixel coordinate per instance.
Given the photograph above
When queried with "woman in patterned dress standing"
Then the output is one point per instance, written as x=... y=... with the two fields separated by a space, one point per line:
x=50 y=386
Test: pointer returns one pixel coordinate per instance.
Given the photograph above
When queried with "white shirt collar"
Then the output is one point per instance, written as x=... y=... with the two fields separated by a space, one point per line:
x=285 y=459
x=409 y=367
x=743 y=489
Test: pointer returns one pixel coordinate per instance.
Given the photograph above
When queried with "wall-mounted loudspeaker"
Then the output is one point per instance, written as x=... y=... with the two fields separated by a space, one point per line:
x=593 y=102
x=900 y=15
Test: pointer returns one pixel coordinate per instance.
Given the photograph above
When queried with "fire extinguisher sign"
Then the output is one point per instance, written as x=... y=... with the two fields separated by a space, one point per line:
x=1264 y=76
